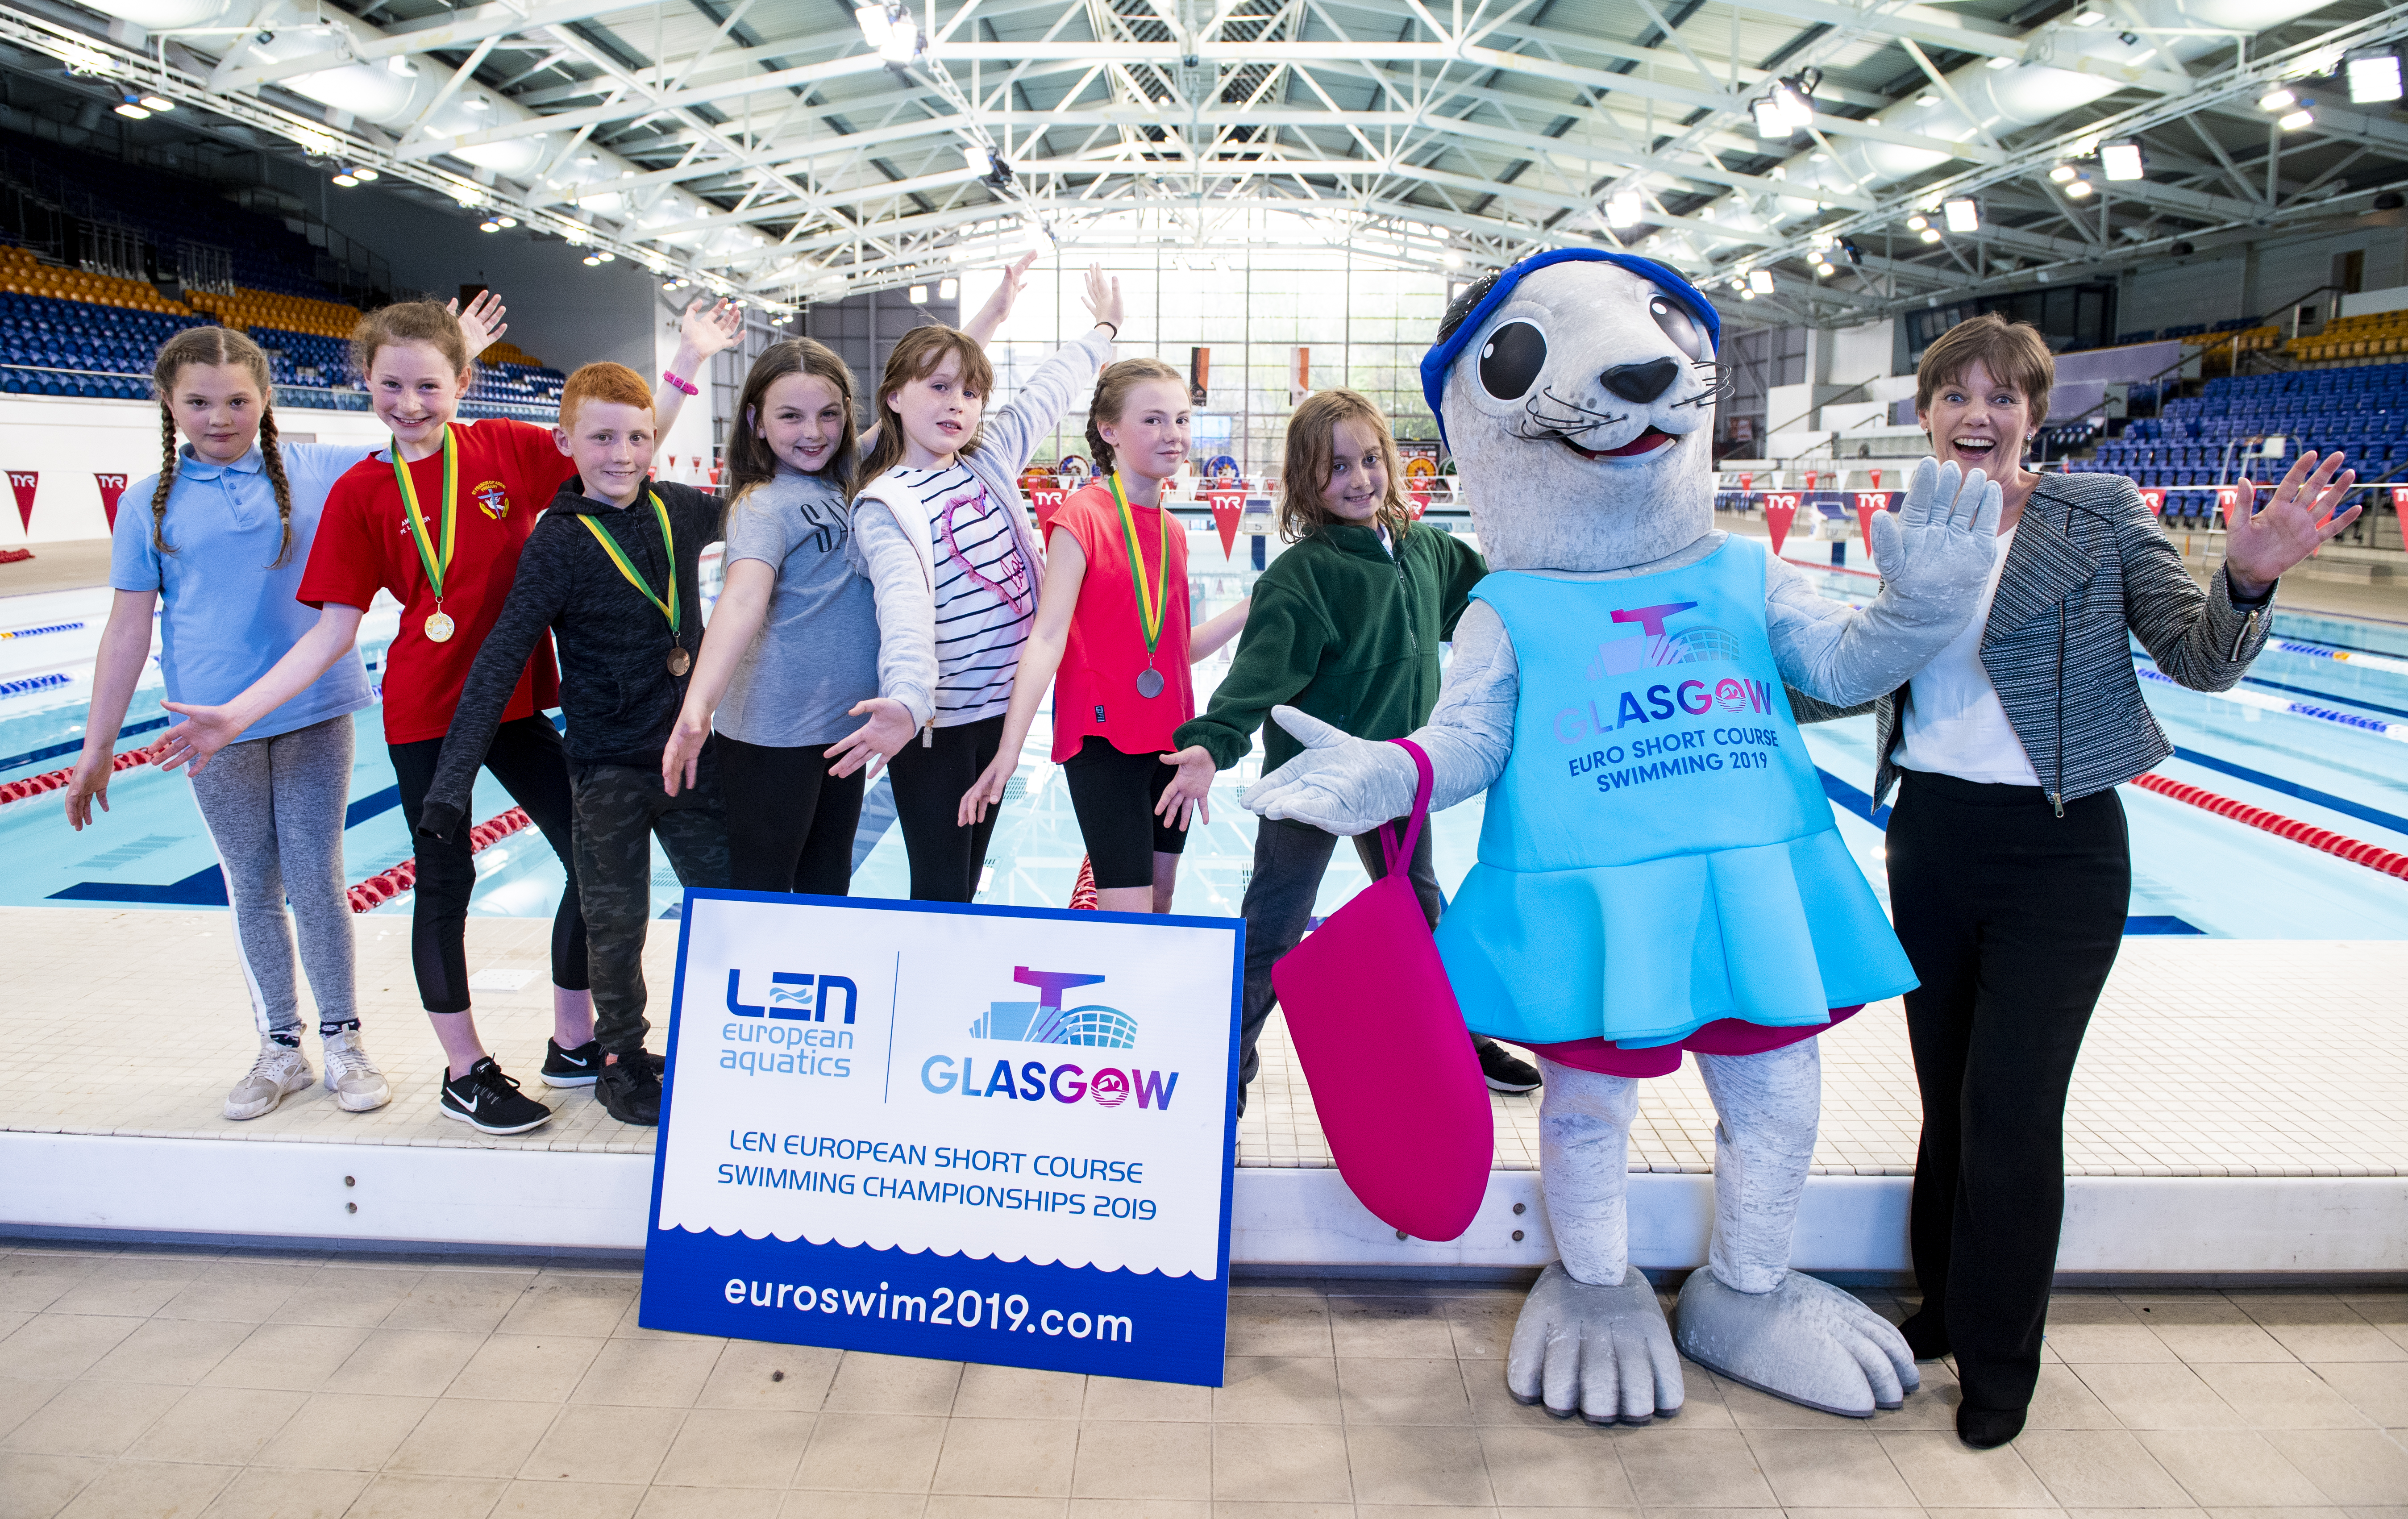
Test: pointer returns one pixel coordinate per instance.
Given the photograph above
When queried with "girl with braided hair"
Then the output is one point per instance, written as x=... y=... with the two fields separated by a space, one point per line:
x=218 y=557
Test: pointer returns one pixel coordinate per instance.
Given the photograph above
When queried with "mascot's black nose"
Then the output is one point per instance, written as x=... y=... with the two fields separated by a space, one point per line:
x=1641 y=383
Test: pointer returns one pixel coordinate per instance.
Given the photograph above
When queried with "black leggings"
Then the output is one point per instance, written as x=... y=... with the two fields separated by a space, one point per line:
x=2011 y=916
x=526 y=758
x=1114 y=794
x=790 y=823
x=929 y=780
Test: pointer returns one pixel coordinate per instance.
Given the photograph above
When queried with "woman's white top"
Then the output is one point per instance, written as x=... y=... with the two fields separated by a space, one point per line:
x=1954 y=722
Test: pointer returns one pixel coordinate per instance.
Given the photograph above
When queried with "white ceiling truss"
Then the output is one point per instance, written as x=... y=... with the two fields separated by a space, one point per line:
x=764 y=146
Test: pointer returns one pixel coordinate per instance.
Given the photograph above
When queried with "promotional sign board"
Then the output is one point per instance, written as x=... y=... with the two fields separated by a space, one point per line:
x=970 y=1133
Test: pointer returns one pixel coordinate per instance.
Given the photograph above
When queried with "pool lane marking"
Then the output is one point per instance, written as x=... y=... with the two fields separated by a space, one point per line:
x=75 y=746
x=2396 y=732
x=2354 y=656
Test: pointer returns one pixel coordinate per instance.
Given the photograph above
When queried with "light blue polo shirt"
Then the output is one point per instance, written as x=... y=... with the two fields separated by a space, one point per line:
x=226 y=616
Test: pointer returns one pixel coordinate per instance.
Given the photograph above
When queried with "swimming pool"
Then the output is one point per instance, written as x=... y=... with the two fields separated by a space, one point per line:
x=2317 y=734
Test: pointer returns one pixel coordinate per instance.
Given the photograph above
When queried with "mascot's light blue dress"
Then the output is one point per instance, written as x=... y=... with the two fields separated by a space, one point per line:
x=1659 y=868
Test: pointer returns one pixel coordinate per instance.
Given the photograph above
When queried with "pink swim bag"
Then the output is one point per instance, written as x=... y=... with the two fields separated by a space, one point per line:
x=1382 y=1041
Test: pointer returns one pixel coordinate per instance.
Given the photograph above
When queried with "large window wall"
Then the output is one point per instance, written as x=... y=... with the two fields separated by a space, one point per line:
x=1365 y=326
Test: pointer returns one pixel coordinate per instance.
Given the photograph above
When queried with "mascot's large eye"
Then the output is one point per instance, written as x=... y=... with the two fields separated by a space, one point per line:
x=1511 y=359
x=1680 y=326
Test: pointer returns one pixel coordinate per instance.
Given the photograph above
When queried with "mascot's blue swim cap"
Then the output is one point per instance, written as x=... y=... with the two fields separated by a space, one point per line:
x=1493 y=291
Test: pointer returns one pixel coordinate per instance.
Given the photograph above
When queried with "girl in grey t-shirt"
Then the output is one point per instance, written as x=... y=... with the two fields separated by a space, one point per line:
x=793 y=642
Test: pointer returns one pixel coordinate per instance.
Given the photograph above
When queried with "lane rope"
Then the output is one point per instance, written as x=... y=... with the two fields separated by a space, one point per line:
x=401 y=878
x=2396 y=732
x=2341 y=845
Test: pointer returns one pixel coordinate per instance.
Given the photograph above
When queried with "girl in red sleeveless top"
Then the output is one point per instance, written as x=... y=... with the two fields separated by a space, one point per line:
x=1111 y=620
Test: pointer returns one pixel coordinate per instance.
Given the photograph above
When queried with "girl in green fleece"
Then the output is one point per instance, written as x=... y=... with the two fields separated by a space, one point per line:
x=1346 y=627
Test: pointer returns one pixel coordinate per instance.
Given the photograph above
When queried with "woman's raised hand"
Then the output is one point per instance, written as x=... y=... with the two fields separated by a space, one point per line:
x=1103 y=297
x=2263 y=541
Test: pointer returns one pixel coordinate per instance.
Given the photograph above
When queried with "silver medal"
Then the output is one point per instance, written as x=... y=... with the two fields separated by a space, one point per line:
x=1148 y=684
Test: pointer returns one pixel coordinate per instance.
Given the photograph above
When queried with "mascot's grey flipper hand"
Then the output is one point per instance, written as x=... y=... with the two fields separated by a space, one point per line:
x=1658 y=871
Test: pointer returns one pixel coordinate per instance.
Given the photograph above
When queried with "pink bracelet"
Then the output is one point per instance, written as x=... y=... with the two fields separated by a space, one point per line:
x=687 y=386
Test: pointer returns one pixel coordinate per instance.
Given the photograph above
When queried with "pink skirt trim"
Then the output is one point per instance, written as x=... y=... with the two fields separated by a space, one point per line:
x=1724 y=1036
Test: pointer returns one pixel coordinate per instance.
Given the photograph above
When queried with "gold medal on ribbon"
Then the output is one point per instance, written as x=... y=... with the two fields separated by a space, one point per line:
x=1152 y=601
x=678 y=661
x=435 y=561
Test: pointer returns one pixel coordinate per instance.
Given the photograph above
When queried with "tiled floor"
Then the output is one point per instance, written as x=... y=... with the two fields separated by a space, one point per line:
x=2185 y=1072
x=145 y=1384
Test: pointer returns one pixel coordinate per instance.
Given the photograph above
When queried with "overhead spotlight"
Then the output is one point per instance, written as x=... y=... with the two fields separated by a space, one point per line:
x=132 y=110
x=1930 y=235
x=1917 y=223
x=949 y=290
x=2062 y=173
x=998 y=173
x=889 y=27
x=917 y=295
x=1927 y=100
x=2121 y=161
x=160 y=103
x=1626 y=209
x=2078 y=188
x=604 y=257
x=1760 y=281
x=1855 y=254
x=1826 y=269
x=1962 y=215
x=347 y=180
x=2296 y=119
x=507 y=220
x=671 y=284
x=592 y=262
x=362 y=173
x=399 y=64
x=2088 y=16
x=2276 y=99
x=489 y=224
x=2374 y=79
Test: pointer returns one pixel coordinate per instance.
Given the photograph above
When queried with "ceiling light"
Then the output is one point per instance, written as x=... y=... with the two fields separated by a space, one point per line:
x=874 y=25
x=1930 y=235
x=2000 y=63
x=1917 y=223
x=133 y=112
x=2374 y=79
x=1747 y=294
x=592 y=262
x=1963 y=216
x=347 y=181
x=2078 y=188
x=2121 y=160
x=157 y=103
x=507 y=220
x=2061 y=173
x=949 y=290
x=605 y=256
x=1450 y=258
x=1626 y=209
x=889 y=28
x=2275 y=99
x=2088 y=16
x=1760 y=281
x=1826 y=269
x=401 y=66
x=917 y=295
x=489 y=224
x=1771 y=121
x=2296 y=119
x=1927 y=100
x=476 y=103
x=671 y=284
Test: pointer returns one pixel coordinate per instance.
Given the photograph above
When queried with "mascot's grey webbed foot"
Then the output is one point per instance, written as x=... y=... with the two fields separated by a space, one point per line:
x=1659 y=871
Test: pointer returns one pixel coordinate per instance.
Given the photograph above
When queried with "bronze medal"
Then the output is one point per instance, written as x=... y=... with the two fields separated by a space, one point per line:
x=680 y=661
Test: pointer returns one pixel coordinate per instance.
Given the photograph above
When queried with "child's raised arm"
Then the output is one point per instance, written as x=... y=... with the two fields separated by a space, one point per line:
x=1011 y=432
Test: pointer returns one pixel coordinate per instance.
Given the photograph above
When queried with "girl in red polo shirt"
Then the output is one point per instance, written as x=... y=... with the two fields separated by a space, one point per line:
x=438 y=520
x=1111 y=618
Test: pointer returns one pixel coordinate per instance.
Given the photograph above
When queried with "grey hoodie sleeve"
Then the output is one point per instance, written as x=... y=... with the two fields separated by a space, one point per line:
x=1011 y=433
x=906 y=609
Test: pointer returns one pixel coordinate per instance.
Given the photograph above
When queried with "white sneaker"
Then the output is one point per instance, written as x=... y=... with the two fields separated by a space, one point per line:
x=279 y=1071
x=358 y=1086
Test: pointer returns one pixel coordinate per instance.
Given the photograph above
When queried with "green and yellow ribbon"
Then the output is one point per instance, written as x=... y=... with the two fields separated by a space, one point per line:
x=436 y=563
x=669 y=543
x=1151 y=600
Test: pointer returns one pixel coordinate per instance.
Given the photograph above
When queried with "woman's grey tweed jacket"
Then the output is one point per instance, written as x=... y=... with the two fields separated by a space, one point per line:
x=2088 y=563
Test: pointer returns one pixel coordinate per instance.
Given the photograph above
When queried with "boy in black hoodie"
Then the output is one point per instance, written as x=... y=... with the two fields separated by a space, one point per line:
x=610 y=570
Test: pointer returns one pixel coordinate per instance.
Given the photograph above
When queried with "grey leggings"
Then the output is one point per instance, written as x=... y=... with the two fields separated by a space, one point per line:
x=274 y=807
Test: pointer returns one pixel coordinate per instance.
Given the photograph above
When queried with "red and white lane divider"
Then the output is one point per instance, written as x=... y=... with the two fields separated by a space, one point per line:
x=385 y=886
x=2341 y=845
x=35 y=785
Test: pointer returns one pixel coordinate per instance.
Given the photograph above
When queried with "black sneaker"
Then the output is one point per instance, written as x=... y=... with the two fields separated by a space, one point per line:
x=571 y=1068
x=630 y=1090
x=488 y=1101
x=1505 y=1070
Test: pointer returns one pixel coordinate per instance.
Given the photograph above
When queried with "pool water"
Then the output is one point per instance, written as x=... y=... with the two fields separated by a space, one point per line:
x=2342 y=767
